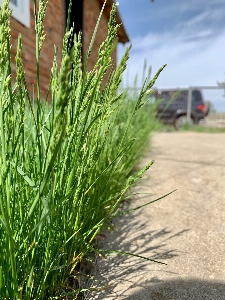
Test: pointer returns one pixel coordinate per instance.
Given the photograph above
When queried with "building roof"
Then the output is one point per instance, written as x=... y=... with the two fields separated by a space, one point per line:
x=122 y=35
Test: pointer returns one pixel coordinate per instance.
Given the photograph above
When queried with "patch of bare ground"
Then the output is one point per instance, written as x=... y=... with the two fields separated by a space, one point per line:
x=185 y=230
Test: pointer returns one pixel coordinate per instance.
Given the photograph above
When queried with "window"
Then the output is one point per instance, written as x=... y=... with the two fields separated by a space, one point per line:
x=76 y=16
x=196 y=96
x=20 y=10
x=171 y=97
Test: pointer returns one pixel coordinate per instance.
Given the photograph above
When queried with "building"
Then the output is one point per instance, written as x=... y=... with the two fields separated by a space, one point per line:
x=84 y=15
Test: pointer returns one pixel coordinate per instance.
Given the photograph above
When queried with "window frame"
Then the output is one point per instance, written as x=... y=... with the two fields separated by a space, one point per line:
x=21 y=11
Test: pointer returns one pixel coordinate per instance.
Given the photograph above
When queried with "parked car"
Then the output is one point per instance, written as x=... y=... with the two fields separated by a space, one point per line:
x=172 y=106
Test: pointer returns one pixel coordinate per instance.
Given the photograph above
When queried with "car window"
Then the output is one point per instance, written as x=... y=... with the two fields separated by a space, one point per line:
x=152 y=98
x=182 y=97
x=167 y=96
x=196 y=96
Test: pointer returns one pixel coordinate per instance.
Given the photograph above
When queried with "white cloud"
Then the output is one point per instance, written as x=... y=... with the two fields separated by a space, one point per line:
x=187 y=35
x=193 y=62
x=197 y=19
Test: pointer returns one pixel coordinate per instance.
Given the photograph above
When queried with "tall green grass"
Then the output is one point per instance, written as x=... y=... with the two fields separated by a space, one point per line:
x=65 y=166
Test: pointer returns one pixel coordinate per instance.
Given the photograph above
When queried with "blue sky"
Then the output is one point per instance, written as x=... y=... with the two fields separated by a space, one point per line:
x=189 y=36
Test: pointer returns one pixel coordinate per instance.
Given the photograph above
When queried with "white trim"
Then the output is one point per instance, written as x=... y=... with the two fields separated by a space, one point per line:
x=21 y=11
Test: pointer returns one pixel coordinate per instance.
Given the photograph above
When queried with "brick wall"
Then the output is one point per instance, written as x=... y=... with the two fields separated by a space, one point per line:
x=92 y=10
x=54 y=28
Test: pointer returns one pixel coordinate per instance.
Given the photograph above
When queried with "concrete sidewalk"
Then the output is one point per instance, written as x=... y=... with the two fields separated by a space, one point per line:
x=185 y=230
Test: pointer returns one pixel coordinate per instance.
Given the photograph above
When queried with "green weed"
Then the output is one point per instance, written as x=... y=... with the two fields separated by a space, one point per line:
x=65 y=166
x=204 y=129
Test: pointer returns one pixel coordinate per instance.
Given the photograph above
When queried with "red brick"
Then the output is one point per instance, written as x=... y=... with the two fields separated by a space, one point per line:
x=91 y=13
x=54 y=30
x=55 y=27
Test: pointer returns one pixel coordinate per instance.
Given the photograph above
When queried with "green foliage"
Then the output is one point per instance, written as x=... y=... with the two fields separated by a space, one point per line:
x=204 y=129
x=212 y=109
x=65 y=166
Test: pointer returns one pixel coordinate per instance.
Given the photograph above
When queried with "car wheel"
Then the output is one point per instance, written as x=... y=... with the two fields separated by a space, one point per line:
x=181 y=121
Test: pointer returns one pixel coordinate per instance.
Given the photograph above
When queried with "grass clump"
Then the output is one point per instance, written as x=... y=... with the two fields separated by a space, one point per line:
x=65 y=166
x=204 y=129
x=192 y=128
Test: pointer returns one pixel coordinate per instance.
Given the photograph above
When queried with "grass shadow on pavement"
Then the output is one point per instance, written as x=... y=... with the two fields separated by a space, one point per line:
x=135 y=235
x=176 y=289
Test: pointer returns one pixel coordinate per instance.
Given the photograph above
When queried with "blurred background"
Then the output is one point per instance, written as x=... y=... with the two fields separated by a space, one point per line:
x=189 y=36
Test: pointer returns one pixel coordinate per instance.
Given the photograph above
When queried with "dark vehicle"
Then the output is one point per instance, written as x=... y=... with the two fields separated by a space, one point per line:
x=172 y=106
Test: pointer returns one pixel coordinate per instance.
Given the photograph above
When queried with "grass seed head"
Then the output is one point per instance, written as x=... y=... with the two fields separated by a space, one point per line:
x=40 y=22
